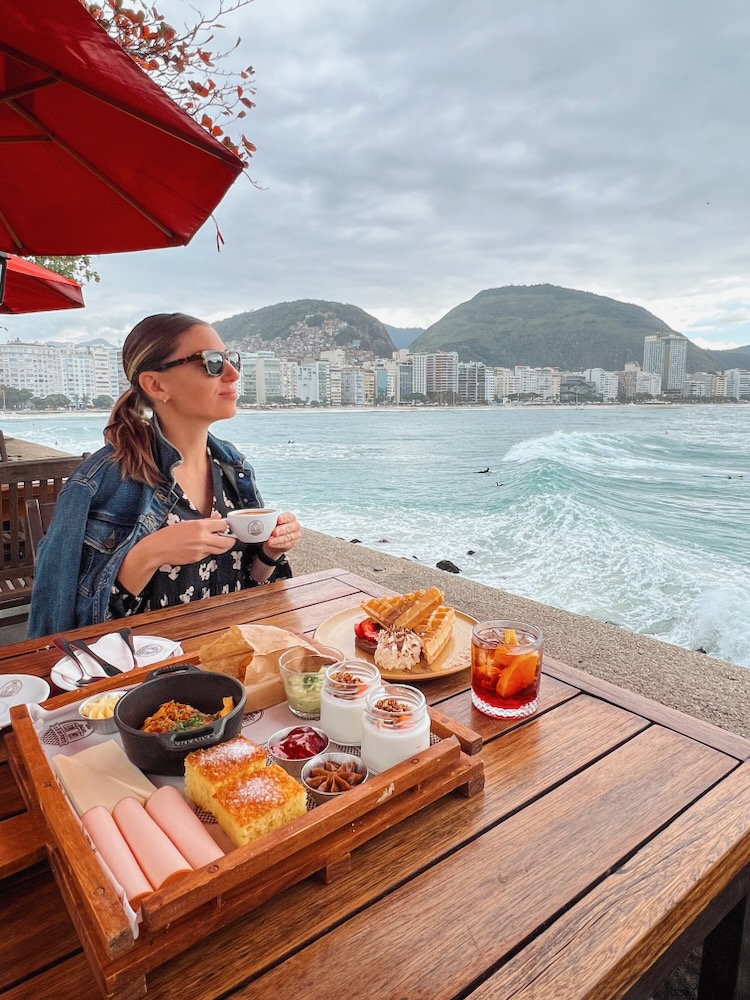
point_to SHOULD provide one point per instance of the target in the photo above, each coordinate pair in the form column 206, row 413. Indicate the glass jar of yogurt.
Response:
column 395, row 726
column 342, row 700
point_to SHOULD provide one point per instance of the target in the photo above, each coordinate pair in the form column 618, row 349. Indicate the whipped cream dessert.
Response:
column 397, row 649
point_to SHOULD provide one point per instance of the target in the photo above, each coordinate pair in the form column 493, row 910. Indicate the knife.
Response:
column 127, row 635
column 109, row 668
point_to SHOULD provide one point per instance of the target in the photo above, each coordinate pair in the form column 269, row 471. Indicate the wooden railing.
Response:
column 21, row 481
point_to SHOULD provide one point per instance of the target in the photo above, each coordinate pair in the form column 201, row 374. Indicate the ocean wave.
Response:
column 625, row 515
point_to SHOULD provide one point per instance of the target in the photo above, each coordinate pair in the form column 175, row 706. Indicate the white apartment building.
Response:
column 738, row 383
column 335, row 357
column 549, row 383
column 77, row 370
column 352, row 386
column 507, row 383
column 647, row 384
column 523, row 380
column 313, row 381
column 473, row 382
column 419, row 374
column 289, row 371
column 109, row 377
column 334, row 384
column 252, row 374
column 705, row 384
column 442, row 373
column 606, row 383
column 80, row 373
column 33, row 367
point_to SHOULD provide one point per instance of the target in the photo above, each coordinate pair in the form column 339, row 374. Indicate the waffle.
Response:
column 436, row 632
column 403, row 610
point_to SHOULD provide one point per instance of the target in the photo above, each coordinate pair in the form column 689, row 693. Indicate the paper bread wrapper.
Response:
column 251, row 653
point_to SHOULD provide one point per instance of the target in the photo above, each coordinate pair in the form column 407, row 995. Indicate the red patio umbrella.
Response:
column 94, row 157
column 30, row 288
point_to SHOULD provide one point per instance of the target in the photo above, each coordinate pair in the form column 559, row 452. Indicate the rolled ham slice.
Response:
column 153, row 850
column 168, row 808
column 111, row 845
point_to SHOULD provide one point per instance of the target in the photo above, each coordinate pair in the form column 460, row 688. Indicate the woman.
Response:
column 141, row 523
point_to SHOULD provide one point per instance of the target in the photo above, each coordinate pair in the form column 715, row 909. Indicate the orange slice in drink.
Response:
column 519, row 675
column 510, row 639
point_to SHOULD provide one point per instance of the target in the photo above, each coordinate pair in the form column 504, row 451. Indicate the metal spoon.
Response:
column 64, row 646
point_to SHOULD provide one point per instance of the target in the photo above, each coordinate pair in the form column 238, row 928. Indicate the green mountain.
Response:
column 734, row 357
column 402, row 336
column 542, row 325
column 306, row 319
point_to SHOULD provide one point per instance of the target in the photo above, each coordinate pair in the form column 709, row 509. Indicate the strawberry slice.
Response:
column 366, row 634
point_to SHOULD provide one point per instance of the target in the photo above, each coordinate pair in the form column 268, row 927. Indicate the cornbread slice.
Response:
column 207, row 770
column 403, row 610
column 436, row 632
column 259, row 803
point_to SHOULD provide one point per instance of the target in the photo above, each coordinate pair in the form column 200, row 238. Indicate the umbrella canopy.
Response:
column 94, row 157
column 30, row 288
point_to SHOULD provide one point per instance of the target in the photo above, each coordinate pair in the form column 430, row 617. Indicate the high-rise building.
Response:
column 666, row 355
column 738, row 383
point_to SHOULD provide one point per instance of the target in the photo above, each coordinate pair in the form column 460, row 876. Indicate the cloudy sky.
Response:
column 414, row 152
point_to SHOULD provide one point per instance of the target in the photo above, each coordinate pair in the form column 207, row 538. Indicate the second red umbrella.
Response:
column 30, row 288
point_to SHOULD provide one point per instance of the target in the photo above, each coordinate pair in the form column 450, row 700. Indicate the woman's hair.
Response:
column 147, row 346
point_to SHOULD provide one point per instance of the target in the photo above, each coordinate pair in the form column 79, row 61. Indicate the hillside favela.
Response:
column 536, row 344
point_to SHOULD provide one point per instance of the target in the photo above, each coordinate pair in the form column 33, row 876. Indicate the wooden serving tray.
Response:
column 183, row 912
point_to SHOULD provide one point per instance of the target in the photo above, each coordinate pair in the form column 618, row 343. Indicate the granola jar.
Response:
column 395, row 726
column 342, row 700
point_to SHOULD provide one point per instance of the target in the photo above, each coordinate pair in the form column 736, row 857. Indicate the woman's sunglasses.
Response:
column 213, row 362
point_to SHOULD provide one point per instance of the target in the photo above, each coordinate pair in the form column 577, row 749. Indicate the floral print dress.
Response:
column 172, row 585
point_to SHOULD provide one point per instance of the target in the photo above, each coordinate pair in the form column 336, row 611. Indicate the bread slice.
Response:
column 403, row 610
column 436, row 632
column 206, row 771
column 230, row 653
column 257, row 804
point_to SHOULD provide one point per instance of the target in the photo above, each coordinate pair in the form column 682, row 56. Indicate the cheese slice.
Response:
column 109, row 758
column 87, row 787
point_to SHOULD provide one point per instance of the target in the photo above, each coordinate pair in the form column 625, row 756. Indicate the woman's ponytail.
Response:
column 129, row 431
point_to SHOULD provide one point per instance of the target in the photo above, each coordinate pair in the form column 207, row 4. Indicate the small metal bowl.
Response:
column 108, row 724
column 293, row 766
column 320, row 761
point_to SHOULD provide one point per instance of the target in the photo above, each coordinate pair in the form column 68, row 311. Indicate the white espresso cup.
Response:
column 252, row 524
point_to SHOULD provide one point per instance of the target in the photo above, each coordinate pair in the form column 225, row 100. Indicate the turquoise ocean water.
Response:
column 634, row 515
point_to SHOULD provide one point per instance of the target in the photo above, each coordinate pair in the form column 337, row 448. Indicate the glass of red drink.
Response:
column 506, row 665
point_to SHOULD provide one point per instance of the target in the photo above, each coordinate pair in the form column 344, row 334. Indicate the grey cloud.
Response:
column 414, row 153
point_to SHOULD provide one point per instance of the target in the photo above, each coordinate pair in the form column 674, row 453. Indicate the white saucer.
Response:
column 20, row 689
column 112, row 647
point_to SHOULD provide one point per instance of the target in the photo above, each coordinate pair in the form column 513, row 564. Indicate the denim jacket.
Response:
column 99, row 517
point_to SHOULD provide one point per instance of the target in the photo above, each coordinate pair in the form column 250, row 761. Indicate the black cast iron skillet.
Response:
column 164, row 753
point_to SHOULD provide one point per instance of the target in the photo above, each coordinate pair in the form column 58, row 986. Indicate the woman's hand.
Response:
column 284, row 536
column 177, row 544
column 190, row 541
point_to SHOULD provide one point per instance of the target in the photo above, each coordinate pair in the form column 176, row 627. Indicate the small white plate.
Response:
column 20, row 689
column 148, row 649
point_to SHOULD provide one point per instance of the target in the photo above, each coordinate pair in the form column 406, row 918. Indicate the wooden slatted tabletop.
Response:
column 612, row 836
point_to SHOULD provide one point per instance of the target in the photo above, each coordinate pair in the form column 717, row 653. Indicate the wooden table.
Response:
column 613, row 835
